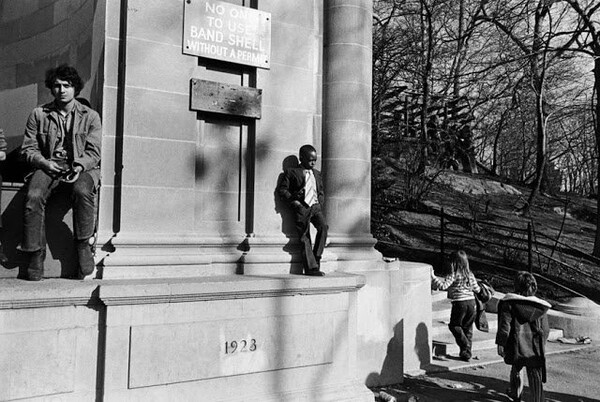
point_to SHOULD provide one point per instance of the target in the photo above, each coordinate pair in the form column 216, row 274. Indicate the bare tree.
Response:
column 585, row 38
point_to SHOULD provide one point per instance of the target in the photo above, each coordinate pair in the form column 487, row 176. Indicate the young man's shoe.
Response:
column 314, row 272
column 35, row 265
column 85, row 258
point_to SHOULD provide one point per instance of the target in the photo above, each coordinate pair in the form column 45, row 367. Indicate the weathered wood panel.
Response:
column 216, row 97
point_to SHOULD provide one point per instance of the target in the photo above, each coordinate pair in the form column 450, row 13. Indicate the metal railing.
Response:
column 518, row 239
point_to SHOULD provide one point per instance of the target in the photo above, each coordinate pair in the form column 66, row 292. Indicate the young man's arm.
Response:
column 284, row 187
column 93, row 145
column 30, row 150
column 504, row 320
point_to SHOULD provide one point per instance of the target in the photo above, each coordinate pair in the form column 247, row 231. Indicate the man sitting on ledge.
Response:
column 62, row 147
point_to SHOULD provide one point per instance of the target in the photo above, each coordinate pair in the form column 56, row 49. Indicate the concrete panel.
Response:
column 285, row 128
column 349, row 22
column 64, row 8
column 111, row 64
column 108, row 167
column 12, row 10
column 156, row 20
column 113, row 20
column 219, row 207
column 36, row 22
column 161, row 354
column 158, row 163
column 163, row 210
column 340, row 69
column 338, row 211
column 299, row 84
column 105, row 213
column 15, row 106
column 340, row 109
column 303, row 15
column 157, row 114
column 353, row 179
column 42, row 365
column 158, row 66
column 294, row 46
column 353, row 140
column 109, row 113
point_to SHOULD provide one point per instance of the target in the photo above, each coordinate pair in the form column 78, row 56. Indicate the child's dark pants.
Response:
column 462, row 318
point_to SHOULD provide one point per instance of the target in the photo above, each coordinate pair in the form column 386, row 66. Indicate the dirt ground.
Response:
column 572, row 377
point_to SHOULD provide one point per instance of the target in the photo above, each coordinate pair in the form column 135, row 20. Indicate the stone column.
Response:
column 347, row 129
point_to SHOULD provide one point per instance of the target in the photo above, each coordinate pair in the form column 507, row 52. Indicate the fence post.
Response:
column 442, row 251
column 529, row 247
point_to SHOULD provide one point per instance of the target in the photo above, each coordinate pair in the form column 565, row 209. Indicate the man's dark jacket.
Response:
column 291, row 187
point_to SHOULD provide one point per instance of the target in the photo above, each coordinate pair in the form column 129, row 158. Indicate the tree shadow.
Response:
column 392, row 369
column 457, row 386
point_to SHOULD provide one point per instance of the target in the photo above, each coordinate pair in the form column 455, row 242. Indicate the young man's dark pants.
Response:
column 311, row 256
column 534, row 377
column 462, row 318
column 3, row 258
column 39, row 189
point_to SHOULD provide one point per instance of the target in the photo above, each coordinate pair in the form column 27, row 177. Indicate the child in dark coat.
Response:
column 522, row 334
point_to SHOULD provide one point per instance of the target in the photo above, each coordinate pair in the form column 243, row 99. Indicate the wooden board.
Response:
column 216, row 97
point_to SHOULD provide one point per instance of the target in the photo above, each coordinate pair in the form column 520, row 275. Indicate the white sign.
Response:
column 223, row 31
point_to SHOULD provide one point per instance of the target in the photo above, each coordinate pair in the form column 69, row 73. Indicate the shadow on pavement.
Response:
column 451, row 386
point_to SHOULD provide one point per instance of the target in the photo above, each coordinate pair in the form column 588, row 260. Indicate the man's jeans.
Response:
column 39, row 189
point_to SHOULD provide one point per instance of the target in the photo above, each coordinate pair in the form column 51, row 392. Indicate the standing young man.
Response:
column 62, row 147
column 302, row 188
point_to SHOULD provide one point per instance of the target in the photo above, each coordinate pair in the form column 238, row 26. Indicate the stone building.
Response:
column 197, row 293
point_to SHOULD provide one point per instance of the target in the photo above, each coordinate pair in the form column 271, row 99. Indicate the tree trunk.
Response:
column 596, row 251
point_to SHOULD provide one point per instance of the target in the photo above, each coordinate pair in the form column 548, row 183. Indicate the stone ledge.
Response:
column 224, row 288
column 19, row 294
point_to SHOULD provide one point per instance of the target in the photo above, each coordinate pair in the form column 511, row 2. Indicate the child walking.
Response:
column 460, row 284
column 522, row 334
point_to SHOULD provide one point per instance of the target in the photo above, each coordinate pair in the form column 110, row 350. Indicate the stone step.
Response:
column 440, row 327
column 444, row 344
column 437, row 295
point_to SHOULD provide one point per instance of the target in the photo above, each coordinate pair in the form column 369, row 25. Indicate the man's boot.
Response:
column 35, row 265
column 85, row 258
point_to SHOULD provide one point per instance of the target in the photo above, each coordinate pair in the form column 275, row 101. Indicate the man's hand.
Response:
column 2, row 155
column 501, row 351
column 52, row 168
column 296, row 203
column 72, row 175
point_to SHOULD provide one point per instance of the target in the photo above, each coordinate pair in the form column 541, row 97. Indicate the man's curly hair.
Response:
column 66, row 73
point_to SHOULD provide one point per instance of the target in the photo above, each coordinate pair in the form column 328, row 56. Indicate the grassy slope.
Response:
column 471, row 203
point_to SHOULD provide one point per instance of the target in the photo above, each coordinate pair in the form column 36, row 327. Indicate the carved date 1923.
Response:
column 241, row 346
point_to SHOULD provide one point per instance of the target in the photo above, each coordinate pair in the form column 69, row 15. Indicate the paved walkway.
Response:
column 573, row 376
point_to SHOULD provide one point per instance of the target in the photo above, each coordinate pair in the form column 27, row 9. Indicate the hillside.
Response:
column 481, row 216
